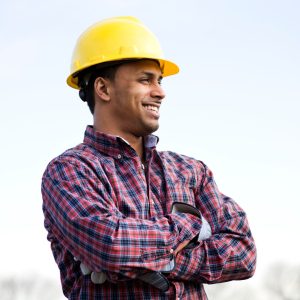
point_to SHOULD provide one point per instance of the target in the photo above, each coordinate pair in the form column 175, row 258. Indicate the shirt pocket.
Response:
column 181, row 192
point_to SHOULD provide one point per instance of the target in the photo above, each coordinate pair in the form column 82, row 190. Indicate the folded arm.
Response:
column 82, row 214
column 230, row 253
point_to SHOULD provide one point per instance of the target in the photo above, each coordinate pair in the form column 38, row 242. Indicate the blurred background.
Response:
column 234, row 105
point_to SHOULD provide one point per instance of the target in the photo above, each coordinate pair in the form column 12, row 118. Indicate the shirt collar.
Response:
column 114, row 145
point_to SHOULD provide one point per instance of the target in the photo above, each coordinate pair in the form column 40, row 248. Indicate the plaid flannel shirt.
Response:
column 102, row 206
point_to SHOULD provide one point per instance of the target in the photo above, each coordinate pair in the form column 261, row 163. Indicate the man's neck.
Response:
column 138, row 146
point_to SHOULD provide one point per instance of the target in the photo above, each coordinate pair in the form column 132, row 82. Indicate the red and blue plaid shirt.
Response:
column 102, row 206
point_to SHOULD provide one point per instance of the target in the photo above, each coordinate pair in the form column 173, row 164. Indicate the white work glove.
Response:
column 205, row 232
column 96, row 277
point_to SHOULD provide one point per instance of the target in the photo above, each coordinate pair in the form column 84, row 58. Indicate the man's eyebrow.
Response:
column 150, row 74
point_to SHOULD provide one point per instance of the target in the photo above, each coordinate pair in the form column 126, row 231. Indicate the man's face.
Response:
column 135, row 98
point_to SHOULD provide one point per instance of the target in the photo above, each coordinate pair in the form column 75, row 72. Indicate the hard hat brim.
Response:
column 168, row 68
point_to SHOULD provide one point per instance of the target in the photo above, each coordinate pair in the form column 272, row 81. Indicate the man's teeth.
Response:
column 153, row 108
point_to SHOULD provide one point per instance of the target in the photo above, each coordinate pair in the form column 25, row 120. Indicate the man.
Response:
column 126, row 221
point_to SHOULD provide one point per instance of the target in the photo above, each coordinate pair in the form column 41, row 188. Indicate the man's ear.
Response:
column 101, row 88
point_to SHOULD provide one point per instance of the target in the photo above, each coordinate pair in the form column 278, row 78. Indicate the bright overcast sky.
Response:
column 234, row 105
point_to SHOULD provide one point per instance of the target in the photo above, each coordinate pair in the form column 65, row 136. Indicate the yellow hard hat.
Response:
column 116, row 39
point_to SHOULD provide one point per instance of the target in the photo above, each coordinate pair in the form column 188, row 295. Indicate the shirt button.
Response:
column 172, row 251
column 119, row 156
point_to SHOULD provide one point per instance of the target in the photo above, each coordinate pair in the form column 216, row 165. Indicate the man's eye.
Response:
column 149, row 81
column 145, row 80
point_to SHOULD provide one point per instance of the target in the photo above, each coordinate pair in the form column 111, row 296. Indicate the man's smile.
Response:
column 154, row 110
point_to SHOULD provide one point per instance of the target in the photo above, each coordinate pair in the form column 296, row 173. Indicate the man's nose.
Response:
column 158, row 92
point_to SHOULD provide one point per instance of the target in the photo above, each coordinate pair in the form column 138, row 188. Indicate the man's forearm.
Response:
column 223, row 257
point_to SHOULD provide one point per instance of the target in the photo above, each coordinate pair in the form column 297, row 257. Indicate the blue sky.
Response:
column 234, row 105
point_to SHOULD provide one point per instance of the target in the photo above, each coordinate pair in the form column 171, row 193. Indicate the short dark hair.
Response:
column 87, row 79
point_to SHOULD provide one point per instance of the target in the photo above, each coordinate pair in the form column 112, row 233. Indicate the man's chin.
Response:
column 148, row 130
column 152, row 129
